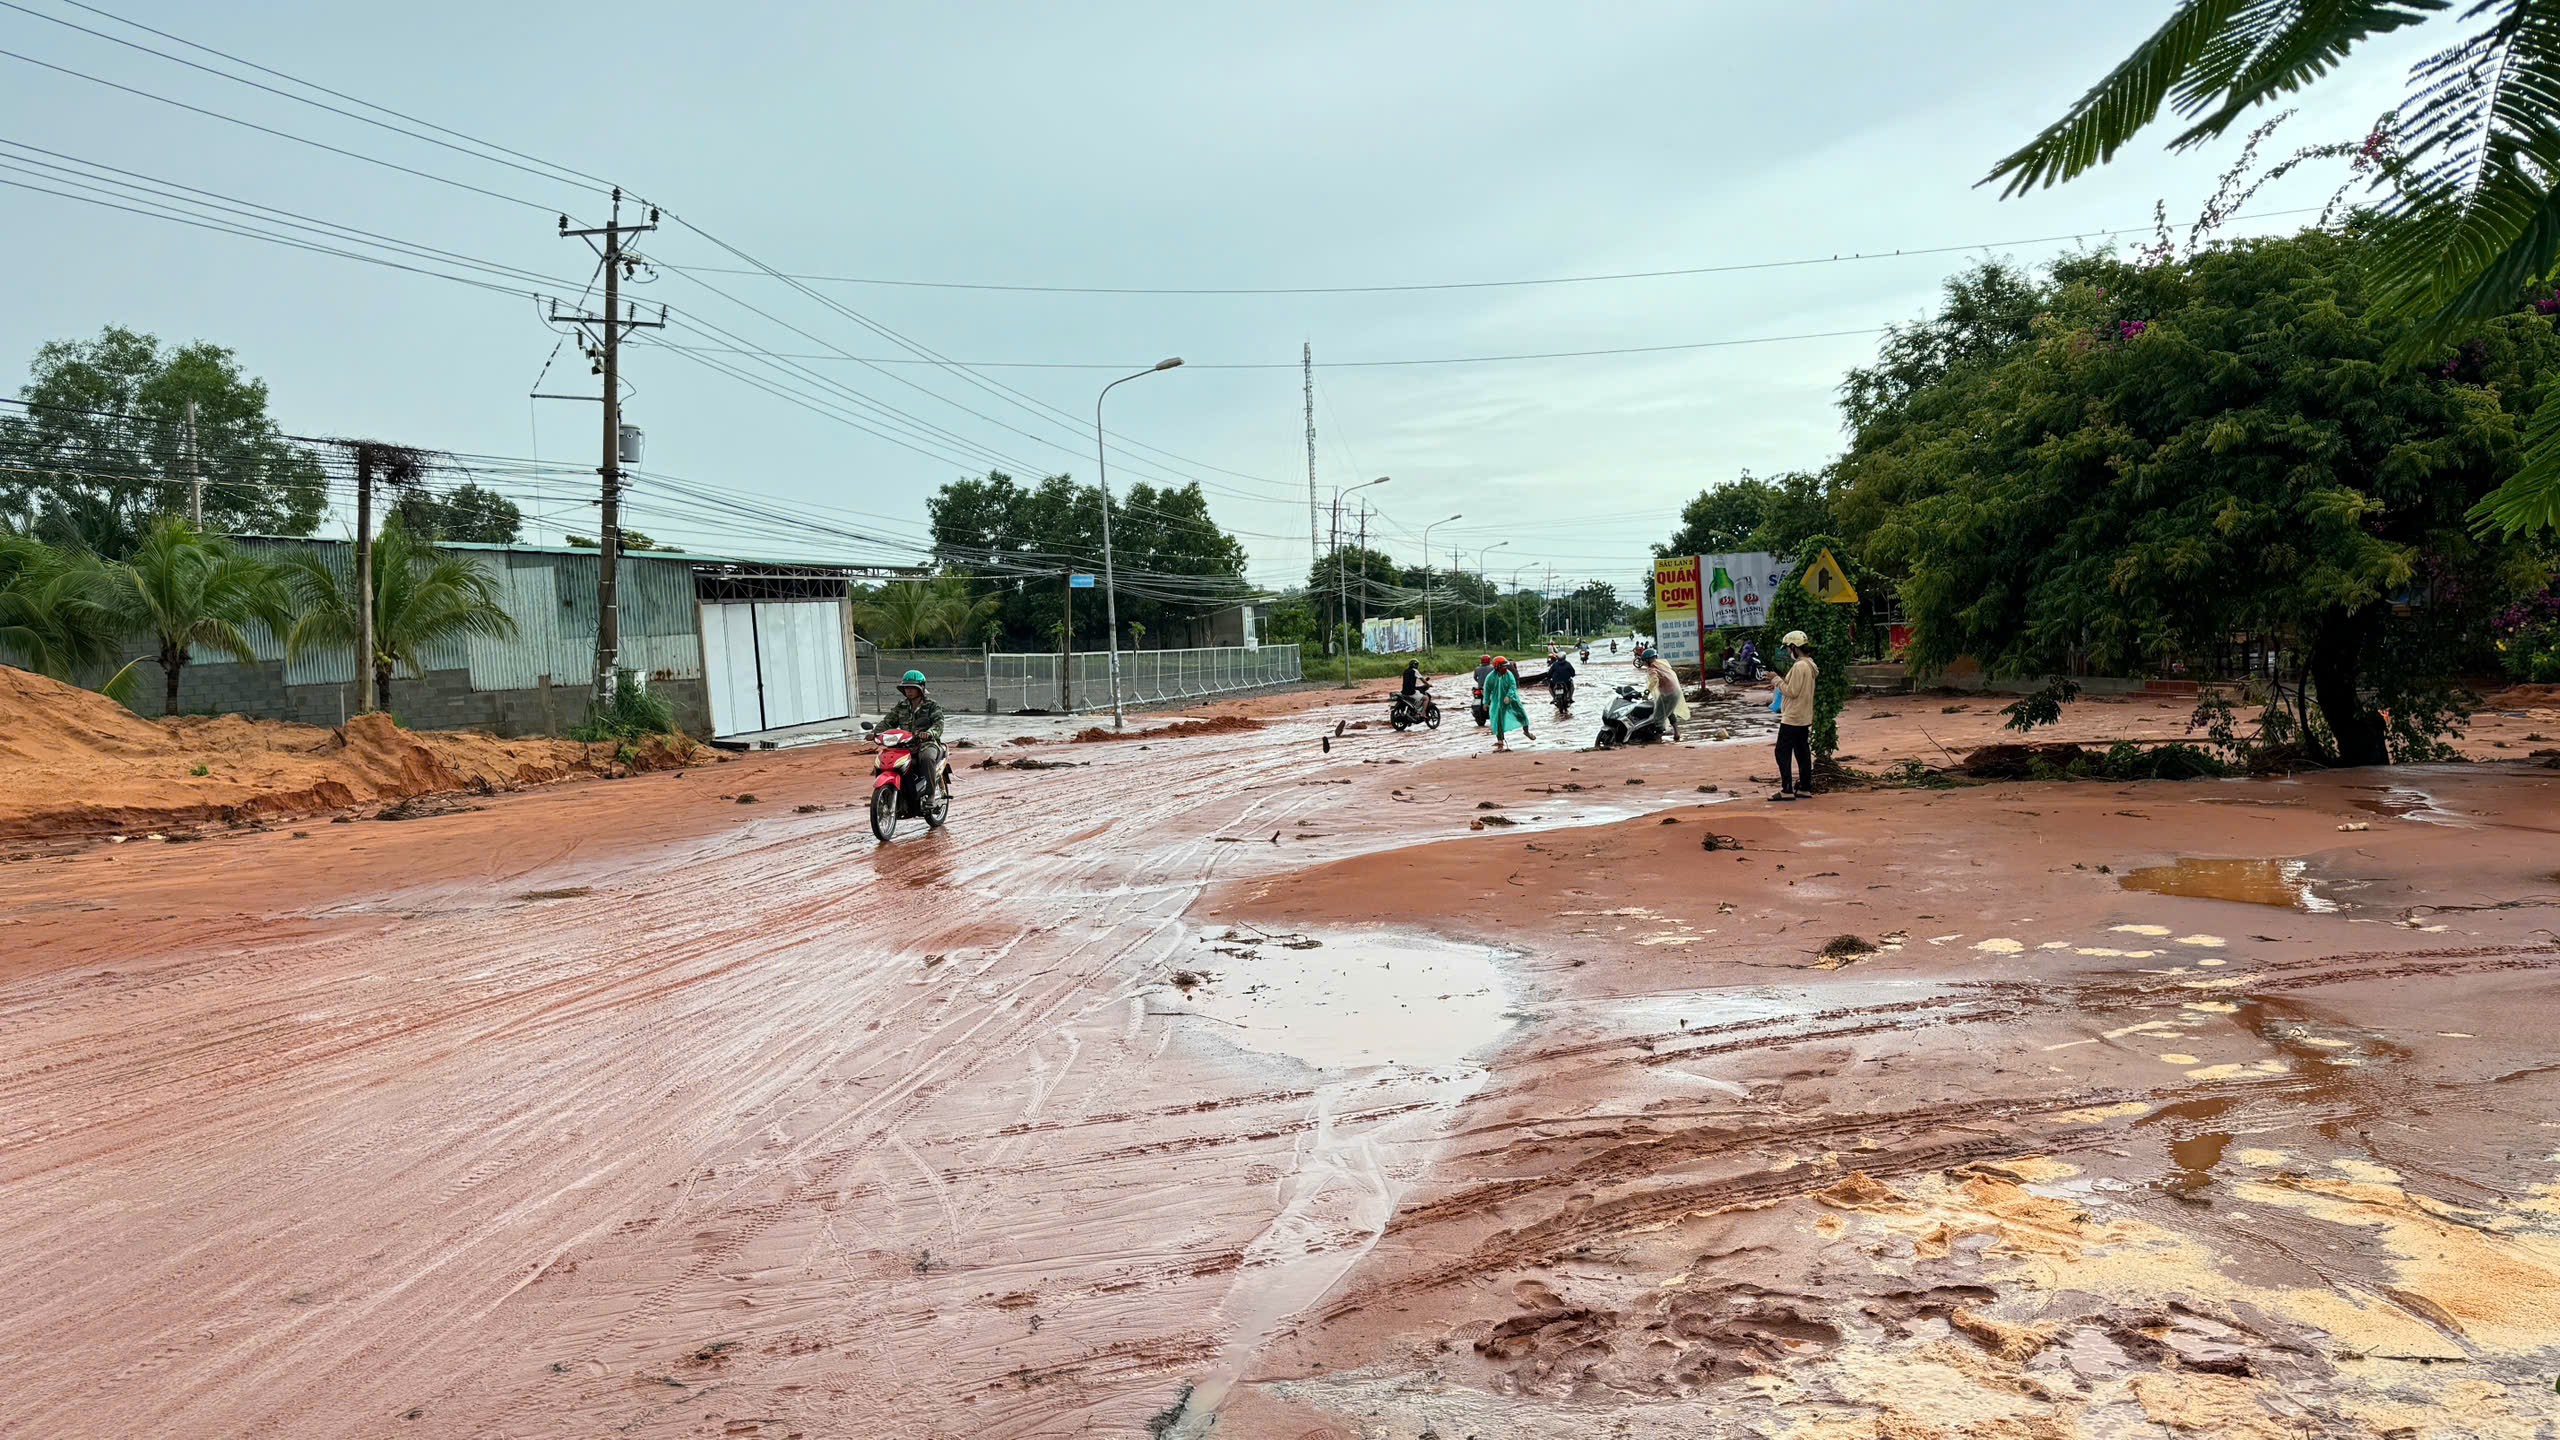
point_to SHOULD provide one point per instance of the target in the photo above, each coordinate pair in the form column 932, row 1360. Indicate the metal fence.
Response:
column 1016, row 683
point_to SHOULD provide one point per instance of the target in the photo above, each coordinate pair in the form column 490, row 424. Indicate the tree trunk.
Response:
column 382, row 688
column 172, row 661
column 2337, row 658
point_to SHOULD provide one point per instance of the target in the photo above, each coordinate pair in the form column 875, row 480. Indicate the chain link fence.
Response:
column 1017, row 683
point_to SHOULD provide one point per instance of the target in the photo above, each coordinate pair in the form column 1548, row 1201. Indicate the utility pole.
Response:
column 364, row 578
column 1307, row 368
column 195, row 471
column 1364, row 566
column 610, row 328
column 1067, row 642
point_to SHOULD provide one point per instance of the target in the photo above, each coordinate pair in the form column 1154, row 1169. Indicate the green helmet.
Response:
column 912, row 677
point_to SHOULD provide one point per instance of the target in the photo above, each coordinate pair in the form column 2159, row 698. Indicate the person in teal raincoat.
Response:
column 1502, row 702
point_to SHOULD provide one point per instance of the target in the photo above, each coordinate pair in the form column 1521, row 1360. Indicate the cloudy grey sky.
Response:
column 1107, row 144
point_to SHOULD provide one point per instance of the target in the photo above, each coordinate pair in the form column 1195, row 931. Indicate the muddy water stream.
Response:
column 1365, row 1012
column 2286, row 883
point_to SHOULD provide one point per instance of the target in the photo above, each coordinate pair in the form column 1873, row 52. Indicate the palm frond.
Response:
column 2276, row 47
column 2217, row 58
column 2119, row 106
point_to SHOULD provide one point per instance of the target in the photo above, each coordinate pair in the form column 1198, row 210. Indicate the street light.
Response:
column 1514, row 588
column 1110, row 582
column 1342, row 587
column 1484, row 622
column 1426, row 576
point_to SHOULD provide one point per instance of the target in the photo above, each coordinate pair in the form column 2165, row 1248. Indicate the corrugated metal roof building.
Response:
column 773, row 623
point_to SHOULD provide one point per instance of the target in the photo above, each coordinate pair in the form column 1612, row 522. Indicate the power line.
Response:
column 1726, row 269
column 1348, row 364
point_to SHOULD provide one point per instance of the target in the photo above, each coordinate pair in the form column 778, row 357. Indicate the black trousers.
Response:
column 1795, row 744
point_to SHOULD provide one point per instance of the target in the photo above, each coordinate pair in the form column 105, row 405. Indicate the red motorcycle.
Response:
column 893, row 786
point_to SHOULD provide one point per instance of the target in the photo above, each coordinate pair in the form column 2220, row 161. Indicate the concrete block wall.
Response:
column 444, row 700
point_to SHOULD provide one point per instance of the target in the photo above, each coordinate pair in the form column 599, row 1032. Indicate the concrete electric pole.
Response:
column 617, row 264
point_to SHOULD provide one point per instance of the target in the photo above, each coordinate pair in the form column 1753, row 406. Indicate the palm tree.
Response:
column 54, row 615
column 183, row 589
column 421, row 596
column 904, row 614
column 2470, row 167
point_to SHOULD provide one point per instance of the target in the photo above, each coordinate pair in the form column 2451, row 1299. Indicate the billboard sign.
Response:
column 1676, row 608
column 1738, row 587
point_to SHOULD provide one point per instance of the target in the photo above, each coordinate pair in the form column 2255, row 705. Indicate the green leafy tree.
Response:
column 2221, row 446
column 1722, row 518
column 55, row 618
column 1833, row 630
column 1174, row 561
column 2469, row 174
column 103, row 447
column 469, row 513
column 181, row 590
column 422, row 597
column 631, row 540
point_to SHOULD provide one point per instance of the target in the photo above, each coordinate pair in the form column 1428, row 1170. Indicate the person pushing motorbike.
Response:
column 1670, row 701
column 917, row 714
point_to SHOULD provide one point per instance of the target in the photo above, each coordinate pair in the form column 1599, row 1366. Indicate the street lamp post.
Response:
column 1427, row 636
column 1110, row 579
column 1342, row 587
column 1514, row 588
column 1484, row 626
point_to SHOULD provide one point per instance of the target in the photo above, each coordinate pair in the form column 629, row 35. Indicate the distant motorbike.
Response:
column 1420, row 709
column 1630, row 719
column 1562, row 693
column 1738, row 671
column 894, row 783
column 1476, row 707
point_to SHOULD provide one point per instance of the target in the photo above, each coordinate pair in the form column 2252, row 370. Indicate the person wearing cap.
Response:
column 1502, row 702
column 917, row 714
column 1795, row 719
column 1484, row 667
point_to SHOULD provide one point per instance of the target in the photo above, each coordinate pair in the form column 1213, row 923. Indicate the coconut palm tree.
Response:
column 182, row 590
column 421, row 596
column 904, row 614
column 2468, row 170
column 54, row 615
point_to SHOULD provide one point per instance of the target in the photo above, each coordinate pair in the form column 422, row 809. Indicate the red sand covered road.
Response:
column 627, row 1108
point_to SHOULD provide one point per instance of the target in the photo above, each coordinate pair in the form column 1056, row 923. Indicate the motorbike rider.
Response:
column 1412, row 680
column 917, row 714
column 1484, row 667
column 1560, row 676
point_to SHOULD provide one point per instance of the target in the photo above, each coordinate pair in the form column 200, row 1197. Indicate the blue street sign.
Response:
column 1079, row 582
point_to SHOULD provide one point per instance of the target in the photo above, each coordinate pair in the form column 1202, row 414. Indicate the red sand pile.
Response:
column 73, row 762
column 1179, row 730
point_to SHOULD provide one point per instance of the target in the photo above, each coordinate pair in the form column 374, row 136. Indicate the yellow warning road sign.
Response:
column 1825, row 581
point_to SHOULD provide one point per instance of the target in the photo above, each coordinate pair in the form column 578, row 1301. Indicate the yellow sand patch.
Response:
column 2140, row 929
column 2257, row 1158
column 2205, row 942
column 2218, row 1405
column 2325, row 1043
column 2209, row 962
column 2176, row 1057
column 1999, row 945
column 2033, row 1169
column 2101, row 1114
column 2215, row 1072
column 2365, row 1171
column 2099, row 950
column 2210, row 1007
column 2502, row 1291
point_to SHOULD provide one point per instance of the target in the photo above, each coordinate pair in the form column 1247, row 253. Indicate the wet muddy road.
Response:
column 623, row 1108
column 1288, row 1080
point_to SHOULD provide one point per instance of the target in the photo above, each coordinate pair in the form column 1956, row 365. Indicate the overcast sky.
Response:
column 1108, row 144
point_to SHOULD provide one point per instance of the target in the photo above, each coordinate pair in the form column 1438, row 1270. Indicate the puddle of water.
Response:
column 2192, row 1155
column 2285, row 883
column 2403, row 803
column 1358, row 1000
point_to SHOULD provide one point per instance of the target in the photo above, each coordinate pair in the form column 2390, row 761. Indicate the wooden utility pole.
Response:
column 609, row 328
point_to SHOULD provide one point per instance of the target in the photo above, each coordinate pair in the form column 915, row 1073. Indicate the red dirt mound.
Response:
column 1180, row 729
column 73, row 762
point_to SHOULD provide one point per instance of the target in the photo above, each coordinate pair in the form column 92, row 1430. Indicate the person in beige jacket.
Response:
column 1795, row 719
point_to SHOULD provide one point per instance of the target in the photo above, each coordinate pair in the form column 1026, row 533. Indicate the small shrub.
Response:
column 633, row 712
column 199, row 770
column 2044, row 707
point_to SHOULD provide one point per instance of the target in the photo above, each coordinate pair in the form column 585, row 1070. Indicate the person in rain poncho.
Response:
column 1502, row 702
column 1670, row 701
